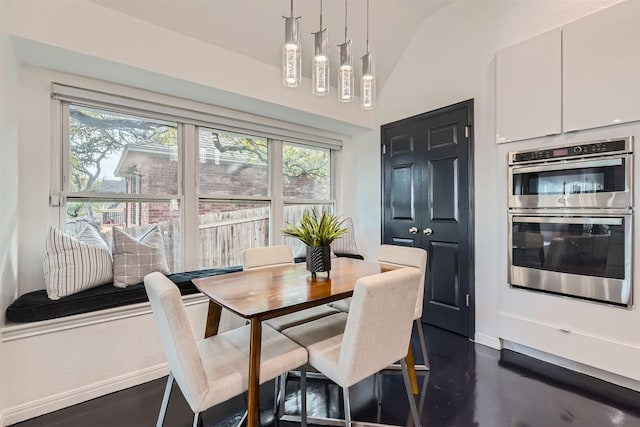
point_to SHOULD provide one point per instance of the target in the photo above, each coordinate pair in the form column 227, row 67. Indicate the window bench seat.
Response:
column 36, row 306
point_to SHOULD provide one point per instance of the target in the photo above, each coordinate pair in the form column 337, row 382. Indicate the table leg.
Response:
column 411, row 367
column 213, row 319
column 253, row 405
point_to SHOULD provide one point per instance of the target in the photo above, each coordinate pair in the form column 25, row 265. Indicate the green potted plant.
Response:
column 317, row 231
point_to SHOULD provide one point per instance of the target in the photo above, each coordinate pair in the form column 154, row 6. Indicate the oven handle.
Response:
column 564, row 166
column 568, row 220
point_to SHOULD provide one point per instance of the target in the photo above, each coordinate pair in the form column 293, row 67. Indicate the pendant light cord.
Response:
column 320, row 15
column 345, row 21
column 292, row 8
column 367, row 26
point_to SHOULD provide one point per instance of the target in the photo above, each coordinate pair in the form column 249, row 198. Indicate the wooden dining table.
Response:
column 265, row 293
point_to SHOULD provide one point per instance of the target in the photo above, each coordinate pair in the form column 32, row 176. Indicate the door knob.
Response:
column 413, row 230
column 428, row 231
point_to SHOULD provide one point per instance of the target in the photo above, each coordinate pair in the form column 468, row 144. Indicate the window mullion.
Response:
column 277, row 200
column 59, row 157
column 336, row 181
column 190, row 170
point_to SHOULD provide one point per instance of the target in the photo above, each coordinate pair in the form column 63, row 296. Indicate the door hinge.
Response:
column 467, row 131
column 384, row 148
column 467, row 300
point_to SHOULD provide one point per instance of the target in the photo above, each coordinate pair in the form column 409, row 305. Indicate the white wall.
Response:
column 9, row 99
column 451, row 59
column 361, row 180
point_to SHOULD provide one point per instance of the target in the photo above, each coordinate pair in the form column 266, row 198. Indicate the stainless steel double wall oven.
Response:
column 570, row 220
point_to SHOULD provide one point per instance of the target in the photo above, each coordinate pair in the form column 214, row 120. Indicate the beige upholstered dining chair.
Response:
column 212, row 370
column 348, row 348
column 266, row 256
column 410, row 257
column 270, row 256
column 406, row 257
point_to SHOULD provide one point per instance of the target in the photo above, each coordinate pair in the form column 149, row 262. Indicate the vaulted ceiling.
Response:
column 255, row 28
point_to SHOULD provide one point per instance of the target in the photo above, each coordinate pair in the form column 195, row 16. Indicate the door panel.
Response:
column 444, row 268
column 443, row 188
column 442, row 136
column 401, row 144
column 400, row 241
column 427, row 182
column 402, row 192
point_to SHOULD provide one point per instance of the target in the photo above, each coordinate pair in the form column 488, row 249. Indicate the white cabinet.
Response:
column 528, row 88
column 601, row 68
column 581, row 76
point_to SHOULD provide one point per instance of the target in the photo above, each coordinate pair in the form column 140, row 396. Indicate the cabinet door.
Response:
column 528, row 93
column 601, row 68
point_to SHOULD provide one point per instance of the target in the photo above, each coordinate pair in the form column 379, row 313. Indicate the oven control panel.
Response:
column 587, row 149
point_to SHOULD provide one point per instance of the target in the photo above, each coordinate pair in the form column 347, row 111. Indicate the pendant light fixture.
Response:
column 320, row 65
column 368, row 80
column 345, row 72
column 291, row 52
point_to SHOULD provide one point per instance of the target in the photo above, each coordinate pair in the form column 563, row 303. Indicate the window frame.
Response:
column 188, row 122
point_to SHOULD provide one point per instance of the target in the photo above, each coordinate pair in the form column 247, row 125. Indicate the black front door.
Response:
column 427, row 188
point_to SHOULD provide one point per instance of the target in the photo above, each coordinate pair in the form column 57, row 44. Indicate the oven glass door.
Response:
column 587, row 183
column 586, row 256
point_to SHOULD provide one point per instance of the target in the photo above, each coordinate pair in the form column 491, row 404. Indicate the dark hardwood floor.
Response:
column 468, row 385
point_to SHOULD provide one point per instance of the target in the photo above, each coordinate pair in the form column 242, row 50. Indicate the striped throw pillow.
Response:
column 73, row 264
column 346, row 244
column 134, row 258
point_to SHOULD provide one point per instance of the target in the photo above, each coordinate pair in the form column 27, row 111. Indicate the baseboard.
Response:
column 578, row 382
column 488, row 340
column 49, row 404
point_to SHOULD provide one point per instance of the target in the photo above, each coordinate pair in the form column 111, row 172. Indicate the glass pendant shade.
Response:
column 291, row 54
column 345, row 73
column 367, row 83
column 320, row 65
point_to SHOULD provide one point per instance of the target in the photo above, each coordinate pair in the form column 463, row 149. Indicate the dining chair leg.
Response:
column 276, row 396
column 303, row 396
column 243, row 419
column 423, row 345
column 412, row 403
column 165, row 400
column 282, row 395
column 378, row 380
column 347, row 406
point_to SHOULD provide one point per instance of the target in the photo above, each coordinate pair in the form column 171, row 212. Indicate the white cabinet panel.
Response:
column 528, row 88
column 601, row 68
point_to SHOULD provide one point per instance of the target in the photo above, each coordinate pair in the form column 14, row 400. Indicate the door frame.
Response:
column 470, row 192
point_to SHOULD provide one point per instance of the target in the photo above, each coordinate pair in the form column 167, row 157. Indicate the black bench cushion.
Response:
column 36, row 306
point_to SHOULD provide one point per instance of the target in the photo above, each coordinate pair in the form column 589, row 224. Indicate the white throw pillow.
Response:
column 135, row 257
column 73, row 264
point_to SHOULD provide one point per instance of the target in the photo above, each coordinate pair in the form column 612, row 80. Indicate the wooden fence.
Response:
column 222, row 235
